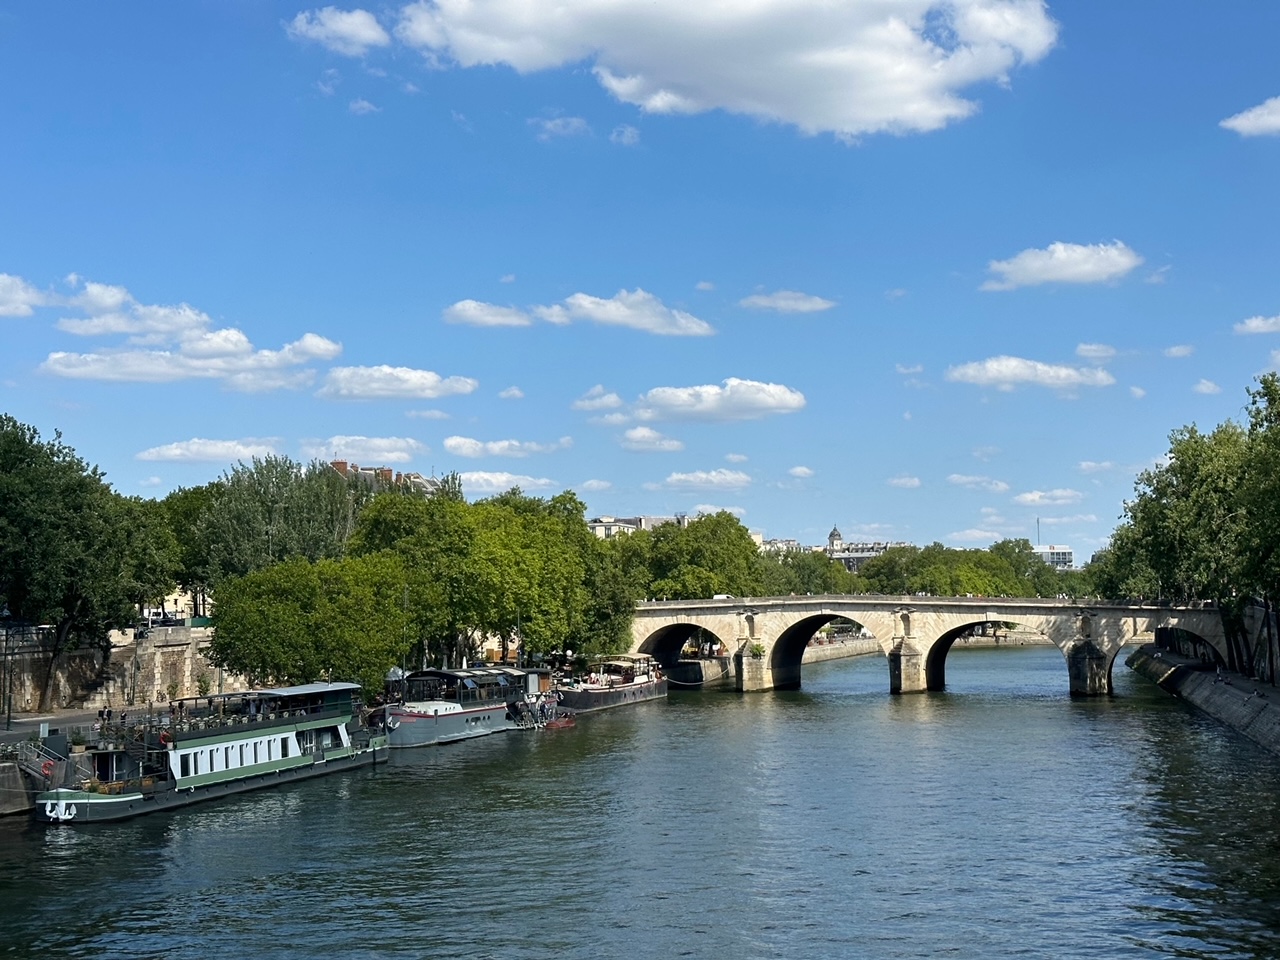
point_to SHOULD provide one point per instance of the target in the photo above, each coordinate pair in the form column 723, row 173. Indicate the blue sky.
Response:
column 924, row 270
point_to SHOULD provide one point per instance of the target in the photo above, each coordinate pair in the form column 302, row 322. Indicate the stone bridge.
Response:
column 766, row 637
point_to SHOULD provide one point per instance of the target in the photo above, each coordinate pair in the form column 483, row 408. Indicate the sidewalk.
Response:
column 25, row 724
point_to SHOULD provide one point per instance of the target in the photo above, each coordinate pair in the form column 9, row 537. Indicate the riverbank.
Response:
column 1245, row 705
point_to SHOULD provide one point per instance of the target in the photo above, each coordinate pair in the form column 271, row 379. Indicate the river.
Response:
column 998, row 819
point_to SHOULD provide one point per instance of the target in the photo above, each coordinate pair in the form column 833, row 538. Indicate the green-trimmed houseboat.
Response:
column 207, row 747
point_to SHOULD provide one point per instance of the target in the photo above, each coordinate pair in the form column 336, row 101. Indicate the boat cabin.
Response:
column 465, row 687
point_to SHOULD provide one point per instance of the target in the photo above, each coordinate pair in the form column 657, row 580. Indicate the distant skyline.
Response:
column 931, row 276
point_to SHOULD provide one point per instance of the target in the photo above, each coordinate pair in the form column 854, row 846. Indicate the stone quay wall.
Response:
column 1245, row 705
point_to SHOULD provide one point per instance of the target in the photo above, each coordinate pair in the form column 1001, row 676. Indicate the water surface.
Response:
column 998, row 819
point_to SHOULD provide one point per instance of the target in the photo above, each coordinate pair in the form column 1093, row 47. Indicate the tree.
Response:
column 299, row 621
column 275, row 508
column 63, row 556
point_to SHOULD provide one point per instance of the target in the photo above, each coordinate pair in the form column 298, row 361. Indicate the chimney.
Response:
column 340, row 466
column 384, row 474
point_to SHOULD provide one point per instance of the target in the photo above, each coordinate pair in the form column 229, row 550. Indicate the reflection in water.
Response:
column 998, row 819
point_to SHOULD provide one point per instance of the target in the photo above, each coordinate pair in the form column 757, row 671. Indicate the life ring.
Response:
column 47, row 768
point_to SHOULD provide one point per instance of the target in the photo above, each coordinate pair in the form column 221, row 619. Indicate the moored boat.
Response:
column 621, row 679
column 207, row 747
column 429, row 707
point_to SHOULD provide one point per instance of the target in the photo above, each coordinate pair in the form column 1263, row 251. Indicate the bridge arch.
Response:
column 666, row 643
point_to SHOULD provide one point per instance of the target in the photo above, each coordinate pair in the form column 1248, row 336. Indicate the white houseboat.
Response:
column 206, row 747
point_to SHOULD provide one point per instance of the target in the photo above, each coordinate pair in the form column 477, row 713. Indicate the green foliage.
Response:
column 67, row 544
column 275, row 509
column 712, row 554
column 300, row 621
column 1009, row 568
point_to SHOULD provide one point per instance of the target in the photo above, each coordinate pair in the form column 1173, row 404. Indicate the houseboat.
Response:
column 429, row 707
column 623, row 678
column 203, row 748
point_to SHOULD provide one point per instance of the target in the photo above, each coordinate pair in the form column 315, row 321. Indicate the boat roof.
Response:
column 300, row 690
column 306, row 689
column 471, row 673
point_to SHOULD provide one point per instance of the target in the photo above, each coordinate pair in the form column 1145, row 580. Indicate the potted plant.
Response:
column 757, row 651
column 77, row 741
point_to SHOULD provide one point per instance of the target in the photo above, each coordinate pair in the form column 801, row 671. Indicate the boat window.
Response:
column 284, row 747
column 226, row 758
column 255, row 751
column 242, row 754
column 195, row 762
column 185, row 762
column 271, row 749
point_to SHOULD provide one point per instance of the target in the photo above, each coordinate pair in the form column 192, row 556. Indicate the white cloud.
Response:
column 507, row 278
column 897, row 293
column 1061, row 521
column 477, row 314
column 985, row 453
column 1137, row 393
column 786, row 301
column 180, row 346
column 1179, row 351
column 597, row 399
column 1256, row 121
column 736, row 457
column 735, row 400
column 1252, row 325
column 595, row 486
column 625, row 135
column 328, row 84
column 1094, row 351
column 1158, row 276
column 550, row 128
column 1207, row 386
column 511, row 393
column 908, row 371
column 365, row 449
column 707, row 509
column 636, row 309
column 483, row 481
column 648, row 440
column 846, row 68
column 348, row 32
column 361, row 107
column 17, row 297
column 977, row 483
column 387, row 382
column 198, row 450
column 904, row 482
column 1094, row 466
column 704, row 285
column 427, row 414
column 974, row 535
column 719, row 479
column 150, row 482
column 467, row 447
column 1005, row 373
column 1063, row 263
column 801, row 472
column 248, row 371
column 611, row 420
column 1039, row 498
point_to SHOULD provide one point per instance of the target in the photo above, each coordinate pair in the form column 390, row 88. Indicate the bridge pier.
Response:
column 1089, row 667
column 756, row 674
column 906, row 669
